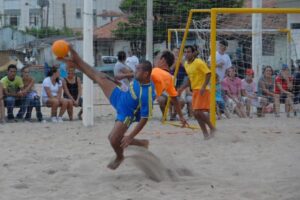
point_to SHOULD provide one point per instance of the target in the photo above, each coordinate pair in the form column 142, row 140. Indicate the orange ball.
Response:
column 60, row 48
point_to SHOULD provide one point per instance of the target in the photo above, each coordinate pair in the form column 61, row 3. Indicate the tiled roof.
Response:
column 110, row 13
column 105, row 31
column 244, row 21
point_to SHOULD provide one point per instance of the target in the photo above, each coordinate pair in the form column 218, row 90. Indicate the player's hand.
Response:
column 72, row 59
column 202, row 91
column 179, row 92
column 126, row 140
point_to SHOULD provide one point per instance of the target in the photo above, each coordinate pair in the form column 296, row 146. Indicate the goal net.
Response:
column 253, row 41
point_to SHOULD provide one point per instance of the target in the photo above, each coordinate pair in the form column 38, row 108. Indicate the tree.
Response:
column 167, row 14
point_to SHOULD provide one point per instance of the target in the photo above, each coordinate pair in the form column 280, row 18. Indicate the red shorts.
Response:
column 200, row 102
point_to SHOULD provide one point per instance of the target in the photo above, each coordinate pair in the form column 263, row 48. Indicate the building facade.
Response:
column 53, row 13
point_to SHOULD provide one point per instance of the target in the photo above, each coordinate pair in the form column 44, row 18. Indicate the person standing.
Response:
column 199, row 77
column 222, row 58
column 132, row 60
column 122, row 72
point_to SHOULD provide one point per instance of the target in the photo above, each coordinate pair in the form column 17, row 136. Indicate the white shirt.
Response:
column 53, row 88
column 250, row 88
column 132, row 62
column 117, row 69
column 222, row 58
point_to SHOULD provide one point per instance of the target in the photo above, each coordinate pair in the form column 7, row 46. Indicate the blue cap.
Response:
column 284, row 66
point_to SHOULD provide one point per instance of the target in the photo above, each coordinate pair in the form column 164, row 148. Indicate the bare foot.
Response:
column 115, row 163
column 212, row 133
column 206, row 136
column 145, row 143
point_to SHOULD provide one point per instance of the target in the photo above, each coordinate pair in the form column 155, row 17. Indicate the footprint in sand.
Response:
column 20, row 186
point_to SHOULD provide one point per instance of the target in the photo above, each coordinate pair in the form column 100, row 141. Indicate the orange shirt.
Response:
column 163, row 81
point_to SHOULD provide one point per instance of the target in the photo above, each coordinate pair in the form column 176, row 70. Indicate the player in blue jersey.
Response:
column 133, row 105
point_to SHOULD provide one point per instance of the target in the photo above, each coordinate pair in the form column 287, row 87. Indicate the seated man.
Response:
column 249, row 91
column 31, row 96
column 134, row 105
column 14, row 94
column 232, row 87
column 284, row 87
column 163, row 82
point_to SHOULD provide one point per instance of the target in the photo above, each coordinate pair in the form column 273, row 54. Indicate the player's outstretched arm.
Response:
column 128, row 138
column 178, row 111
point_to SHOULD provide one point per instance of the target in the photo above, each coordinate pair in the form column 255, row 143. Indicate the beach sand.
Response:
column 248, row 159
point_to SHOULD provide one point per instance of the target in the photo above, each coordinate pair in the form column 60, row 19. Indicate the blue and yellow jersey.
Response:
column 134, row 104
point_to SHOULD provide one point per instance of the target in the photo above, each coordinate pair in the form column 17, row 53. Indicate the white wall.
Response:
column 121, row 45
column 280, row 52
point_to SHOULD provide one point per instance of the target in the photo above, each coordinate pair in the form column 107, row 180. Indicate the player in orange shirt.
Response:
column 199, row 76
column 163, row 81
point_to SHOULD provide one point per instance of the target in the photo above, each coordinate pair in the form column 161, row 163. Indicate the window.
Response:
column 103, row 14
column 12, row 17
column 34, row 17
column 34, row 20
column 268, row 45
column 295, row 25
column 78, row 13
column 13, row 21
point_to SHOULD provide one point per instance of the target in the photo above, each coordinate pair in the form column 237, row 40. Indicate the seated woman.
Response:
column 72, row 89
column 31, row 95
column 265, row 89
column 284, row 88
column 52, row 96
column 2, row 115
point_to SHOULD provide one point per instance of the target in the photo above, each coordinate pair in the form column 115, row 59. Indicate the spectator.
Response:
column 284, row 87
column 122, row 72
column 222, row 59
column 221, row 108
column 73, row 90
column 52, row 96
column 132, row 60
column 233, row 88
column 181, row 76
column 249, row 90
column 188, row 100
column 2, row 112
column 31, row 96
column 63, row 70
column 163, row 82
column 14, row 94
column 265, row 90
column 296, row 90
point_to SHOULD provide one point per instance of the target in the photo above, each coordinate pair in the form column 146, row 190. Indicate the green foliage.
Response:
column 47, row 32
column 167, row 14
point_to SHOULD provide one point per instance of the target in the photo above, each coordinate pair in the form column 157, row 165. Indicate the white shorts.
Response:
column 256, row 102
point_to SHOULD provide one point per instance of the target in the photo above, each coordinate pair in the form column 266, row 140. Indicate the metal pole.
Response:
column 213, row 50
column 257, row 40
column 149, row 31
column 88, row 111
